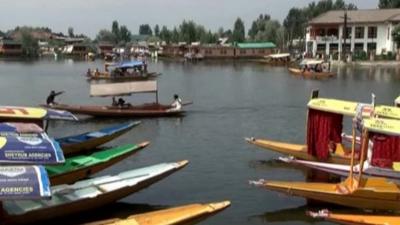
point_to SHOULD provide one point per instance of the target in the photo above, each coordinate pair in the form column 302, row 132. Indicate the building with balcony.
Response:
column 367, row 30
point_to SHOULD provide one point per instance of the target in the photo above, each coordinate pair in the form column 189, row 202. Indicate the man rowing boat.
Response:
column 50, row 99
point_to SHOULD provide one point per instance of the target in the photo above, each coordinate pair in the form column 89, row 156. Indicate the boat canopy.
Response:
column 18, row 112
column 387, row 111
column 311, row 62
column 129, row 64
column 24, row 182
column 125, row 88
column 382, row 126
column 397, row 101
column 277, row 56
column 343, row 107
column 32, row 149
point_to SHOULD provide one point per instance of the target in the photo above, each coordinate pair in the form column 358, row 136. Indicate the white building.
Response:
column 368, row 30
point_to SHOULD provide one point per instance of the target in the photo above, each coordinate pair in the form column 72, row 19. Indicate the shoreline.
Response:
column 368, row 63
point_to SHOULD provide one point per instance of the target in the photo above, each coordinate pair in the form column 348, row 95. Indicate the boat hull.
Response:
column 86, row 171
column 373, row 193
column 343, row 170
column 88, row 203
column 311, row 74
column 172, row 216
column 107, row 76
column 363, row 219
column 297, row 151
column 106, row 111
column 70, row 146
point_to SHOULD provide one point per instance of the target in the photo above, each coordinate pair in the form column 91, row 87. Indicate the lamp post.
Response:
column 345, row 18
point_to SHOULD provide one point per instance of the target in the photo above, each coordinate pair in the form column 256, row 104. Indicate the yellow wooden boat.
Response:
column 356, row 219
column 341, row 155
column 176, row 215
column 371, row 193
column 355, row 191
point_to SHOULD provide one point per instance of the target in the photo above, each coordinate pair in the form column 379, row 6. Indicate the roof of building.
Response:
column 9, row 42
column 358, row 16
column 256, row 45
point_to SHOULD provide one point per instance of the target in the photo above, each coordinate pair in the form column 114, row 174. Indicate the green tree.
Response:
column 30, row 46
column 71, row 32
column 295, row 23
column 165, row 34
column 156, row 30
column 124, row 34
column 396, row 35
column 106, row 36
column 387, row 4
column 175, row 35
column 145, row 29
column 115, row 30
column 238, row 34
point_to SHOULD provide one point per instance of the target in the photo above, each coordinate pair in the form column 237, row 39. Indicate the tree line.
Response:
column 263, row 28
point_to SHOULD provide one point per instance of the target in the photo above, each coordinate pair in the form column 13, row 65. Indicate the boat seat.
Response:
column 341, row 150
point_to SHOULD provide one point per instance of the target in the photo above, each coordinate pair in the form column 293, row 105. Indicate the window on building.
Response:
column 321, row 32
column 388, row 33
column 371, row 46
column 223, row 52
column 372, row 32
column 321, row 47
column 348, row 34
column 261, row 51
column 333, row 32
column 333, row 48
column 359, row 47
column 359, row 32
column 243, row 52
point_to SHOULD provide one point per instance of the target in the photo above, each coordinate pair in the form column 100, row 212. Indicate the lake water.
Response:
column 232, row 100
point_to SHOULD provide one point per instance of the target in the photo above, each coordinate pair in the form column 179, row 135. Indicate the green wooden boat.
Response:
column 80, row 167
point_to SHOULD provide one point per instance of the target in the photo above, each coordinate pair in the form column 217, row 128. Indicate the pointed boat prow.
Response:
column 216, row 206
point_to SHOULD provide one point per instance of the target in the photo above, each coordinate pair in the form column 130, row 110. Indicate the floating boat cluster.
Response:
column 43, row 178
column 370, row 160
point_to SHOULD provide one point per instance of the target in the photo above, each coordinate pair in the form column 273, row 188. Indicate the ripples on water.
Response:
column 232, row 100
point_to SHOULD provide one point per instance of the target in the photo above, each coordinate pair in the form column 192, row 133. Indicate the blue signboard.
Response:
column 24, row 182
column 30, row 150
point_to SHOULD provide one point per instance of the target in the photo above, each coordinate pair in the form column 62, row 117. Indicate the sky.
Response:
column 89, row 16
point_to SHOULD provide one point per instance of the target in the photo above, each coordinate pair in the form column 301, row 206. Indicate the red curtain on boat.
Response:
column 386, row 150
column 322, row 128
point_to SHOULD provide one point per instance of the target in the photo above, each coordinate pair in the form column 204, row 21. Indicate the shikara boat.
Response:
column 126, row 110
column 129, row 70
column 171, row 216
column 90, row 140
column 81, row 167
column 87, row 194
column 278, row 59
column 331, row 111
column 356, row 191
column 356, row 219
column 313, row 69
column 311, row 74
column 343, row 170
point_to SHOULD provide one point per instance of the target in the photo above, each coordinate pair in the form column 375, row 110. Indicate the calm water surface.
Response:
column 232, row 100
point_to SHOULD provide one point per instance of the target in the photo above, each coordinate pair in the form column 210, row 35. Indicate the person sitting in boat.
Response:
column 89, row 72
column 177, row 103
column 51, row 98
column 114, row 102
column 96, row 72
